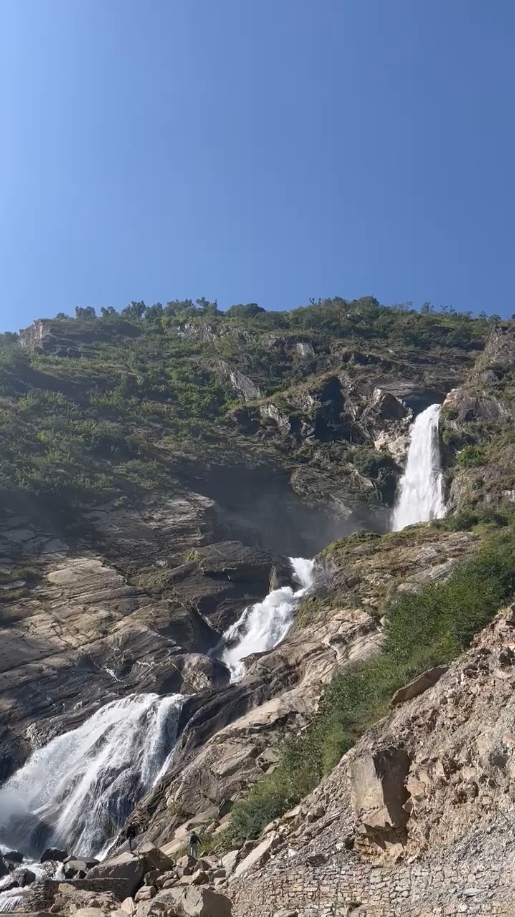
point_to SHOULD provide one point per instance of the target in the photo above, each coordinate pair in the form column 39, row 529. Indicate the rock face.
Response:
column 131, row 589
column 476, row 424
column 89, row 633
column 230, row 737
column 416, row 819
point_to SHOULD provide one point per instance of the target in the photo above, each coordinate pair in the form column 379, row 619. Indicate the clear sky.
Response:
column 255, row 150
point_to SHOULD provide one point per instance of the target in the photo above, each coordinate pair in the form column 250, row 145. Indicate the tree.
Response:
column 87, row 312
column 61, row 316
column 135, row 310
column 154, row 313
column 427, row 308
column 244, row 311
column 107, row 310
column 179, row 307
column 206, row 306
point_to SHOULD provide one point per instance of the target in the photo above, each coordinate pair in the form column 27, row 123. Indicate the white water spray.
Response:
column 78, row 790
column 263, row 625
column 420, row 497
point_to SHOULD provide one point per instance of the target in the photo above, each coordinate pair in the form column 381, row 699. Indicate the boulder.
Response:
column 195, row 902
column 13, row 856
column 200, row 672
column 53, row 854
column 152, row 876
column 419, row 684
column 154, row 858
column 3, row 867
column 128, row 905
column 259, row 855
column 146, row 893
column 169, row 883
column 88, row 912
column 378, row 787
column 169, row 876
column 229, row 861
column 125, row 867
column 73, row 867
column 24, row 877
column 173, row 847
column 200, row 877
column 186, row 862
column 207, row 862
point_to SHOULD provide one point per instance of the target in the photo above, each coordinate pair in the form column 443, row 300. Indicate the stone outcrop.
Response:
column 420, row 684
column 416, row 819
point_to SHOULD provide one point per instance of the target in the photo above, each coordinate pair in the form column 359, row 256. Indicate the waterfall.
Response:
column 420, row 495
column 77, row 790
column 263, row 625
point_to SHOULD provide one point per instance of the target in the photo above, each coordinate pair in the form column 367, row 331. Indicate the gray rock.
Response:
column 419, row 684
column 53, row 854
column 146, row 893
column 72, row 867
column 126, row 867
column 229, row 861
column 13, row 856
column 195, row 902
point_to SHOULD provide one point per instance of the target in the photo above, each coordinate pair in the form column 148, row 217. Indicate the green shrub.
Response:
column 471, row 516
column 471, row 457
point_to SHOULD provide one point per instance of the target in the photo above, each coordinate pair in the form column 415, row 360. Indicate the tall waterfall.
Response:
column 77, row 790
column 263, row 625
column 420, row 497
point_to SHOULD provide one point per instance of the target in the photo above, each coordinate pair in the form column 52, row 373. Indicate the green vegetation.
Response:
column 423, row 630
column 17, row 583
column 108, row 404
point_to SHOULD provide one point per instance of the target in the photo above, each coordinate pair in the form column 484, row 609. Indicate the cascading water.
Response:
column 78, row 790
column 420, row 497
column 263, row 625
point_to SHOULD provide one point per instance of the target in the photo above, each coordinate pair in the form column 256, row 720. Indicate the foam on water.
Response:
column 77, row 790
column 420, row 490
column 263, row 625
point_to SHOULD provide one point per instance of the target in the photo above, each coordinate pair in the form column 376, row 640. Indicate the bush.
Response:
column 424, row 629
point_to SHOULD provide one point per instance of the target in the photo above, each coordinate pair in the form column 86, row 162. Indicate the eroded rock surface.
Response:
column 416, row 819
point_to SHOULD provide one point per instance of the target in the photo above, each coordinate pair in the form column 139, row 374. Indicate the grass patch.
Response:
column 429, row 628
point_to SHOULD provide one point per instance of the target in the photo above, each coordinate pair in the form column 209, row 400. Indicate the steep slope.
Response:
column 158, row 468
column 417, row 819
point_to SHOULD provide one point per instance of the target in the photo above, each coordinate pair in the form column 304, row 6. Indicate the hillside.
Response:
column 96, row 408
column 158, row 468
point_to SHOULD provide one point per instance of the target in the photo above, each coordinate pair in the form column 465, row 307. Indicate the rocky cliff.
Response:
column 157, row 472
column 417, row 819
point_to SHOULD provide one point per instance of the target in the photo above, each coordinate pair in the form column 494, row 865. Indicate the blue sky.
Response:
column 267, row 152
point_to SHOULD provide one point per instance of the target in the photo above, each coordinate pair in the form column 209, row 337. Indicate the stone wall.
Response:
column 470, row 878
column 42, row 894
